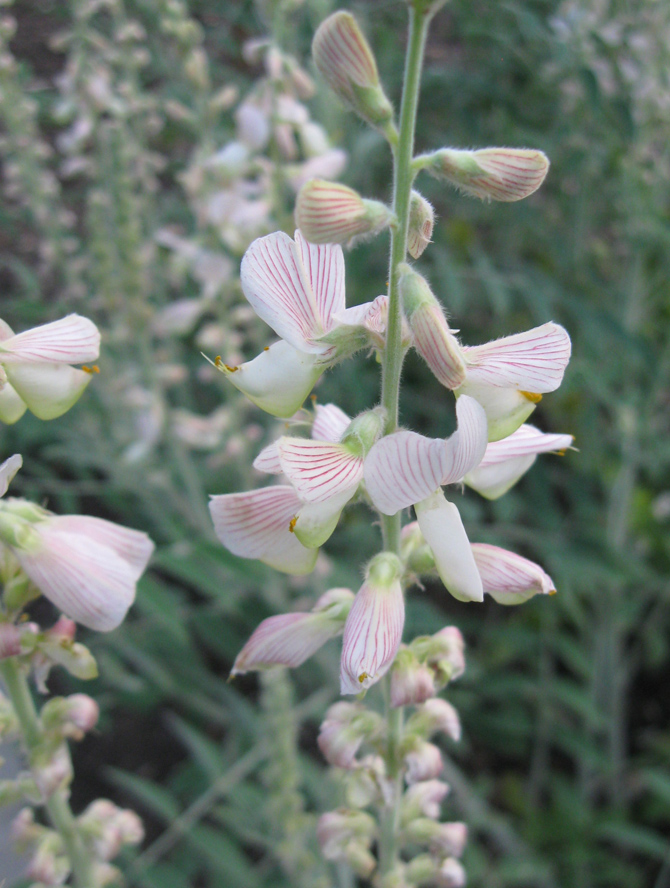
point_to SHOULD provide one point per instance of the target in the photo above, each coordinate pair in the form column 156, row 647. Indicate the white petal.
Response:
column 506, row 408
column 49, row 390
column 8, row 469
column 317, row 521
column 12, row 407
column 370, row 316
column 278, row 380
column 494, row 481
column 72, row 340
column 443, row 530
column 533, row 361
column 319, row 470
column 466, row 447
column 324, row 267
column 133, row 546
column 509, row 578
column 372, row 636
column 285, row 640
column 330, row 423
column 268, row 460
column 404, row 468
column 85, row 579
column 256, row 524
column 276, row 285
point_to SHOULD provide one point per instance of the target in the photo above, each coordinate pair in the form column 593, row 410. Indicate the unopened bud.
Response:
column 444, row 651
column 367, row 783
column 346, row 836
column 411, row 681
column 421, row 221
column 423, row 800
column 363, row 431
column 24, row 830
column 415, row 551
column 450, row 874
column 48, row 866
column 424, row 761
column 71, row 716
column 433, row 339
column 433, row 716
column 332, row 213
column 196, row 68
column 344, row 58
column 504, row 174
column 52, row 769
column 19, row 789
column 109, row 828
column 10, row 640
column 444, row 838
column 343, row 730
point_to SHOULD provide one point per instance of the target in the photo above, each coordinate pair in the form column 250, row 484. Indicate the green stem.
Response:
column 58, row 807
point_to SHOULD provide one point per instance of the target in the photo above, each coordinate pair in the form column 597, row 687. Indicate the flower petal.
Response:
column 72, row 340
column 443, row 530
column 12, row 407
column 324, row 268
column 330, row 423
column 278, row 380
column 533, row 361
column 285, row 640
column 49, row 390
column 256, row 524
column 268, row 460
column 466, row 447
column 509, row 578
column 316, row 522
column 8, row 469
column 133, row 546
column 278, row 289
column 319, row 470
column 403, row 468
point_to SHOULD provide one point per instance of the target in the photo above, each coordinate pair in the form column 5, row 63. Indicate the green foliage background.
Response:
column 563, row 771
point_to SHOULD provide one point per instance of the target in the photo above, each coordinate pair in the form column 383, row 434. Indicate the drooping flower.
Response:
column 406, row 469
column 36, row 367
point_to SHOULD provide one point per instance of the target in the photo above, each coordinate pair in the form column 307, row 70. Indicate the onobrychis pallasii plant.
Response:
column 390, row 832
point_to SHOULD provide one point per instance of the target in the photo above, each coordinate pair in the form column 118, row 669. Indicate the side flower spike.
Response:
column 507, row 460
column 290, row 639
column 37, row 367
column 373, row 631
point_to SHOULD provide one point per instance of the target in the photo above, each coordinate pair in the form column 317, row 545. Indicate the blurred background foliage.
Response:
column 111, row 113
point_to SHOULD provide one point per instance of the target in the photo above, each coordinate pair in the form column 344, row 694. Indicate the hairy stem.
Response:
column 58, row 807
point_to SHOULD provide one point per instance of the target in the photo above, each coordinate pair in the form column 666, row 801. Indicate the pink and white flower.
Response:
column 36, row 367
column 510, row 578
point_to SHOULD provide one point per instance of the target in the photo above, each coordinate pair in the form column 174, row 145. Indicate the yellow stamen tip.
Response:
column 292, row 523
column 92, row 369
column 552, row 592
column 532, row 396
column 267, row 348
column 362, row 677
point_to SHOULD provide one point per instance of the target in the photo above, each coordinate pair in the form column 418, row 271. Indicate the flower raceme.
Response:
column 87, row 567
column 297, row 288
column 36, row 371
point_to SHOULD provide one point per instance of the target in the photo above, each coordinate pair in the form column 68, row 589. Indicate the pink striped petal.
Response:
column 268, row 460
column 466, row 447
column 330, row 423
column 72, row 340
column 8, row 469
column 533, row 361
column 257, row 524
column 372, row 318
column 49, row 390
column 372, row 635
column 509, row 578
column 404, row 468
column 319, row 470
column 443, row 530
column 277, row 286
column 133, row 546
column 324, row 268
column 437, row 345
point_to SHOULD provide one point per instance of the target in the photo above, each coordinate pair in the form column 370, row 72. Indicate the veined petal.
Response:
column 268, row 460
column 276, row 285
column 319, row 470
column 8, row 469
column 466, row 447
column 507, row 460
column 330, row 423
column 133, row 546
column 509, row 578
column 72, row 340
column 278, row 380
column 12, row 407
column 533, row 361
column 256, row 524
column 49, row 390
column 438, row 346
column 443, row 530
column 324, row 269
column 403, row 468
column 370, row 317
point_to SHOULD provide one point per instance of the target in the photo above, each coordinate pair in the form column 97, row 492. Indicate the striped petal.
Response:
column 370, row 317
column 509, row 578
column 443, row 530
column 507, row 460
column 72, row 340
column 466, row 447
column 49, row 390
column 438, row 346
column 133, row 546
column 324, row 269
column 404, row 468
column 330, row 423
column 319, row 470
column 8, row 469
column 278, row 380
column 276, row 285
column 267, row 460
column 256, row 524
column 533, row 361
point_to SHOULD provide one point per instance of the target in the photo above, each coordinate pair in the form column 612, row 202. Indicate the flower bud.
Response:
column 450, row 874
column 346, row 836
column 24, row 830
column 433, row 339
column 52, row 769
column 109, row 828
column 344, row 728
column 345, row 60
column 10, row 640
column 444, row 652
column 19, row 789
column 415, row 552
column 444, row 838
column 8, row 721
column 423, row 800
column 421, row 221
column 367, row 783
column 332, row 213
column 435, row 715
column 423, row 760
column 71, row 716
column 364, row 431
column 48, row 866
column 504, row 174
column 411, row 681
